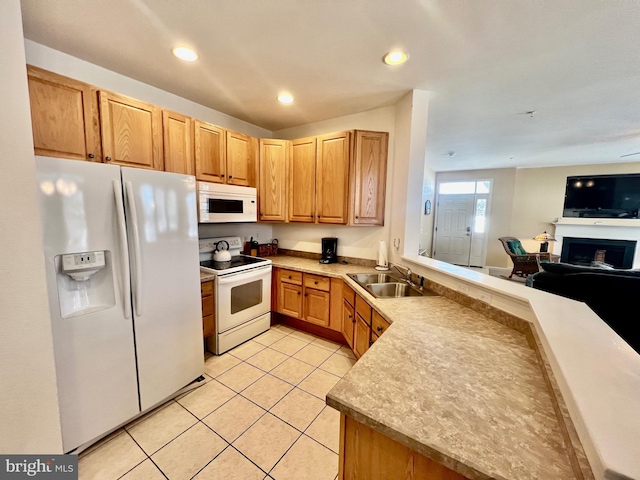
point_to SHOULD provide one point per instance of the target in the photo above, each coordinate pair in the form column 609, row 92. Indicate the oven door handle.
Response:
column 235, row 278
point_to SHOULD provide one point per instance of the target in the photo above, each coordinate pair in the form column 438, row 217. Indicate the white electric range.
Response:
column 242, row 294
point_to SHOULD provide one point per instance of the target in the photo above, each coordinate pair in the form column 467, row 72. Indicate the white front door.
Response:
column 453, row 228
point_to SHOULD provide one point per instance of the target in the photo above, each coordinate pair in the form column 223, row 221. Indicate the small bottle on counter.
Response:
column 254, row 247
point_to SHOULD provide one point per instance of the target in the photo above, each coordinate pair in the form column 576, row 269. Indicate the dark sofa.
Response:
column 614, row 295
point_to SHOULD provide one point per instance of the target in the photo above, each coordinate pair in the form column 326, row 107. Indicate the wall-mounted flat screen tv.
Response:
column 602, row 196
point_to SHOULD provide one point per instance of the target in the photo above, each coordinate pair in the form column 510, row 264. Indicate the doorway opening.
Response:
column 462, row 222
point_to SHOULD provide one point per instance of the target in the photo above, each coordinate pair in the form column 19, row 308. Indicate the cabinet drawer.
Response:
column 317, row 282
column 207, row 305
column 289, row 276
column 207, row 326
column 378, row 324
column 206, row 288
column 348, row 294
column 363, row 309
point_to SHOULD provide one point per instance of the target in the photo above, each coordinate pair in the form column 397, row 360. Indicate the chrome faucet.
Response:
column 406, row 273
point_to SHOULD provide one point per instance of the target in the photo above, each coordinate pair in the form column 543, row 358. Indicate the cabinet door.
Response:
column 131, row 131
column 348, row 322
column 316, row 306
column 302, row 181
column 64, row 116
column 332, row 178
column 274, row 158
column 238, row 159
column 361, row 340
column 290, row 299
column 178, row 143
column 209, row 152
column 369, row 178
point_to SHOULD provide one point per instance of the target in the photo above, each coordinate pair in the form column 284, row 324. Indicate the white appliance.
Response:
column 120, row 248
column 219, row 203
column 242, row 294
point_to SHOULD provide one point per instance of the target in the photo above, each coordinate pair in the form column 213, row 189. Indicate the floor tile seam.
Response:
column 238, row 391
column 167, row 443
column 268, row 409
column 225, row 371
column 324, row 348
column 318, row 441
column 291, row 354
column 285, row 453
column 174, row 439
column 245, row 430
column 216, row 456
column 246, row 360
column 291, row 425
column 148, row 415
column 229, row 399
column 272, row 368
column 139, row 463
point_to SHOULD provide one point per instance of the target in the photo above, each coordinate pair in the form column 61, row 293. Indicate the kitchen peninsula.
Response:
column 465, row 390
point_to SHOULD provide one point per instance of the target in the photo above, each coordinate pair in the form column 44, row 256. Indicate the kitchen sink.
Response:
column 366, row 278
column 383, row 285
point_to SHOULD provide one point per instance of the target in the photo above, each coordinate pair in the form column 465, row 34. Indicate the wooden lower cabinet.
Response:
column 317, row 305
column 290, row 300
column 208, row 309
column 368, row 454
column 362, row 337
column 348, row 322
column 308, row 297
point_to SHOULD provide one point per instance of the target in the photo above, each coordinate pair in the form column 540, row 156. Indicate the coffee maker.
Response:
column 329, row 250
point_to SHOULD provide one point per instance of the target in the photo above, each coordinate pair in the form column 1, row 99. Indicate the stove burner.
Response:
column 237, row 261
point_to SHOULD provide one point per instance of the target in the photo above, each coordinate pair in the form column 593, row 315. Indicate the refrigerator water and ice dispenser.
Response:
column 85, row 283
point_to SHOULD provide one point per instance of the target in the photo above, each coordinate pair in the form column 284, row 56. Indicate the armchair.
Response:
column 524, row 263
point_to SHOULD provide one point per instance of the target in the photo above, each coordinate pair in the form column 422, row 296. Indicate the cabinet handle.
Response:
column 298, row 293
column 357, row 217
column 289, row 277
column 350, row 316
column 222, row 176
column 353, row 321
column 230, row 177
column 91, row 155
column 311, row 216
column 306, row 294
column 108, row 159
column 370, row 343
column 315, row 283
column 379, row 329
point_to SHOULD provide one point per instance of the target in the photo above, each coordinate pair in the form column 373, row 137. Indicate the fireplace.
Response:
column 584, row 251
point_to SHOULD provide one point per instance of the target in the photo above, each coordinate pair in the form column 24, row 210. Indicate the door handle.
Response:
column 124, row 259
column 137, row 261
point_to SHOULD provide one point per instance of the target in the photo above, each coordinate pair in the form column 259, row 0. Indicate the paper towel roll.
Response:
column 382, row 254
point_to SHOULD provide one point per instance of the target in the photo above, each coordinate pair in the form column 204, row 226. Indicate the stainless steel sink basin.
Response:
column 393, row 290
column 365, row 278
column 383, row 285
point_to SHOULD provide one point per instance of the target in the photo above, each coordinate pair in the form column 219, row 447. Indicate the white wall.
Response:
column 29, row 415
column 63, row 64
column 360, row 242
column 261, row 232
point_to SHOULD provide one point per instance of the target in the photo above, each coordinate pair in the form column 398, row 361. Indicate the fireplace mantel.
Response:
column 603, row 228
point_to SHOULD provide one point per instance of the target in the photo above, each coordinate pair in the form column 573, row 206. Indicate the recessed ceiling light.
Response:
column 184, row 53
column 395, row 58
column 285, row 98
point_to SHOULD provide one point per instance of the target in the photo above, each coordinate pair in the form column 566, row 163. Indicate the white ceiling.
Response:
column 577, row 62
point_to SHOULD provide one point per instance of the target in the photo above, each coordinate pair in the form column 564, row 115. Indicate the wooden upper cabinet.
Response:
column 369, row 178
column 332, row 178
column 131, row 131
column 274, row 159
column 178, row 143
column 209, row 152
column 239, row 162
column 302, row 180
column 64, row 116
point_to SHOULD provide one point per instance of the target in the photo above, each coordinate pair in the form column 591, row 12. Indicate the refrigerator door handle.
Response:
column 137, row 261
column 124, row 257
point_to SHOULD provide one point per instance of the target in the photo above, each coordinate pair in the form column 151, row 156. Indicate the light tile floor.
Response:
column 261, row 415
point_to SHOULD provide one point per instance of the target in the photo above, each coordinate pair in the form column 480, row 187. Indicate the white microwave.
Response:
column 219, row 203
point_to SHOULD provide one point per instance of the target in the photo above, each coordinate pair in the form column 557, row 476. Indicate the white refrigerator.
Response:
column 121, row 253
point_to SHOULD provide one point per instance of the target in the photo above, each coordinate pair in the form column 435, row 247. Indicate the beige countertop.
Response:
column 206, row 277
column 452, row 384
